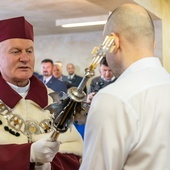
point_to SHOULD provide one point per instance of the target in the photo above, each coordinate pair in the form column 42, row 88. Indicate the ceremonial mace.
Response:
column 65, row 107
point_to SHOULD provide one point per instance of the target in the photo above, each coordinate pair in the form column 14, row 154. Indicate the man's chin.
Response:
column 45, row 75
column 25, row 76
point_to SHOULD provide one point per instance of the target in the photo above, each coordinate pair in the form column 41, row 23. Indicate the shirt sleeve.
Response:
column 109, row 133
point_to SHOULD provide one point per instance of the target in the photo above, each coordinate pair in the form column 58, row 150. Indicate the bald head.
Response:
column 70, row 68
column 132, row 22
column 133, row 31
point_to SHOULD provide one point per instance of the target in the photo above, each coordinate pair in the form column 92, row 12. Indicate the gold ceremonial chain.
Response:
column 19, row 125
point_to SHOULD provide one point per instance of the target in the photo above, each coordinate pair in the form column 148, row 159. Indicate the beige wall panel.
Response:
column 161, row 8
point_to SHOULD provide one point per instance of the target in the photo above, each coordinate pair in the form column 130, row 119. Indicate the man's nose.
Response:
column 24, row 56
column 107, row 73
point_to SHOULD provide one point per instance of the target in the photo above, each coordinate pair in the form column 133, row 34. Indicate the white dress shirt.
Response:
column 128, row 124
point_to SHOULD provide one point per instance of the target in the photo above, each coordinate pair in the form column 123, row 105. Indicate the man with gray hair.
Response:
column 25, row 125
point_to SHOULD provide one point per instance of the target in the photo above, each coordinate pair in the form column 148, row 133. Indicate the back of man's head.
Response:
column 133, row 23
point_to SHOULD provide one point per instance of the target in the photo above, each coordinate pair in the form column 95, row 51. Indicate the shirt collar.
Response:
column 108, row 80
column 20, row 89
column 140, row 65
column 71, row 76
column 47, row 79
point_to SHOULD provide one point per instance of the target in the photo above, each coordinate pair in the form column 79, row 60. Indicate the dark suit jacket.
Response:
column 75, row 81
column 98, row 83
column 64, row 78
column 66, row 81
column 56, row 85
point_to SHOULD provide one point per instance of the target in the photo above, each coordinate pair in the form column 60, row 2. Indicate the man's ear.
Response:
column 116, row 41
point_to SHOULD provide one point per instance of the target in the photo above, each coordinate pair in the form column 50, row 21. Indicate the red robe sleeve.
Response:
column 65, row 162
column 15, row 157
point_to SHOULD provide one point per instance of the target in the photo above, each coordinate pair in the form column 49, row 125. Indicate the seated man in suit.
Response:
column 106, row 77
column 73, row 79
column 58, row 71
column 47, row 77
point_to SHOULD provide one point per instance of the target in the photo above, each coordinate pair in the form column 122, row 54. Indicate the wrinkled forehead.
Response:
column 17, row 43
column 56, row 67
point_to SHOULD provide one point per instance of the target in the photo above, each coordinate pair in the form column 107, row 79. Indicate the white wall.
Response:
column 76, row 48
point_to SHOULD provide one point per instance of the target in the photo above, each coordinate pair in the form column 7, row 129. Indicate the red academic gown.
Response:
column 17, row 156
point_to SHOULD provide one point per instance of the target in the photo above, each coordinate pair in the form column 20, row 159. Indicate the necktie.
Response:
column 44, row 81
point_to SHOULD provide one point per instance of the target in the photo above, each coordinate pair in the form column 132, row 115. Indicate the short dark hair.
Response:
column 47, row 61
column 103, row 61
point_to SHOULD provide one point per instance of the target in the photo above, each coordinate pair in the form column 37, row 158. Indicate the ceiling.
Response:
column 42, row 14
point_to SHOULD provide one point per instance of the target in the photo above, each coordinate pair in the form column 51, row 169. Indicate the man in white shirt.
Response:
column 128, row 122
